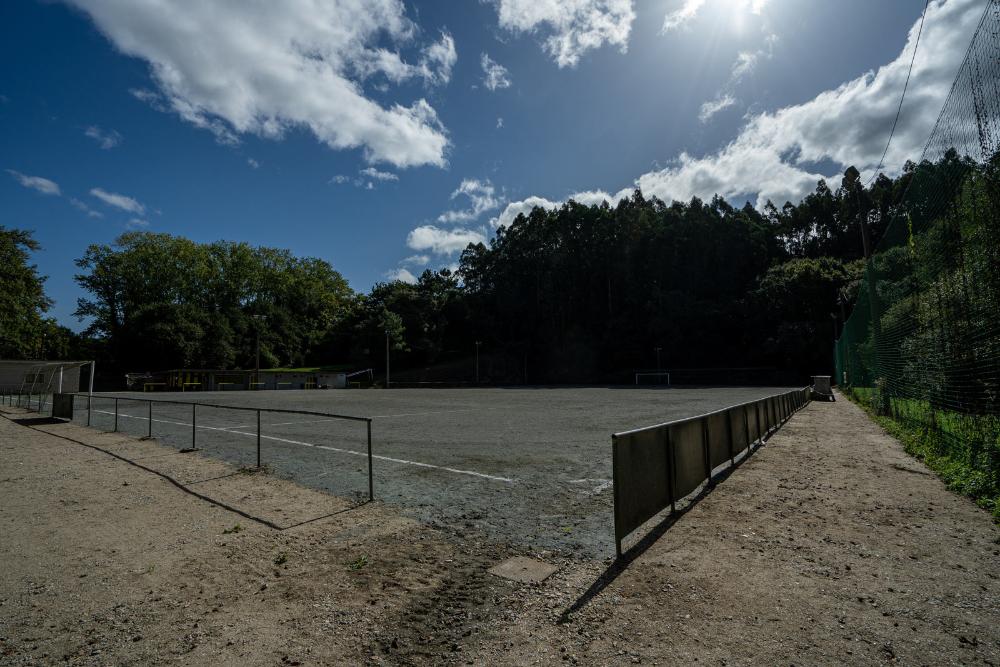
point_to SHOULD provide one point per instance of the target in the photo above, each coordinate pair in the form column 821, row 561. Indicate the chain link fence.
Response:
column 922, row 344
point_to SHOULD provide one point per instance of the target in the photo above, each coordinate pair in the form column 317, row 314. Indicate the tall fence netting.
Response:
column 923, row 341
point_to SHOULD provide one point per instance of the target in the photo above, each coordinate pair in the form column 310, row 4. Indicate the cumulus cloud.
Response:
column 119, row 201
column 570, row 28
column 499, row 122
column 442, row 241
column 253, row 163
column 525, row 206
column 401, row 274
column 265, row 68
column 43, row 185
column 495, row 75
column 773, row 154
column 418, row 260
column 481, row 196
column 106, row 139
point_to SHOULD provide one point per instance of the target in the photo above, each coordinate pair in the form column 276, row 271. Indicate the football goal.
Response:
column 652, row 378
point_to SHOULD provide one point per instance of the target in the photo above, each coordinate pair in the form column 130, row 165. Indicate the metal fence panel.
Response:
column 738, row 427
column 718, row 439
column 641, row 473
column 689, row 457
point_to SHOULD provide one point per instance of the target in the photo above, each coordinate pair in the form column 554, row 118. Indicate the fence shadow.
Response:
column 620, row 564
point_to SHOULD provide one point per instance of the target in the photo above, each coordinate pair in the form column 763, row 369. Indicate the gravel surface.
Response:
column 528, row 466
column 828, row 546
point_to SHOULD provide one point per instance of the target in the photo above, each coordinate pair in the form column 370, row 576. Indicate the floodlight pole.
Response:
column 386, row 358
column 658, row 368
column 478, row 343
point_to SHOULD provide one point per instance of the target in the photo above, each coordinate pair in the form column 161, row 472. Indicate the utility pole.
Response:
column 478, row 343
column 257, row 319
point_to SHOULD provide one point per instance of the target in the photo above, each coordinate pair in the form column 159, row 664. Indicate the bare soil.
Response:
column 829, row 545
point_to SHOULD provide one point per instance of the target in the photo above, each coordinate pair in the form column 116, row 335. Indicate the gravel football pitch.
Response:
column 527, row 466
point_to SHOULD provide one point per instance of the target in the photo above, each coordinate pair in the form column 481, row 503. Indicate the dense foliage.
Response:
column 25, row 332
column 575, row 294
column 160, row 301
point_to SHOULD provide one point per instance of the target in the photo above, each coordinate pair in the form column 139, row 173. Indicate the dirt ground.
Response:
column 828, row 546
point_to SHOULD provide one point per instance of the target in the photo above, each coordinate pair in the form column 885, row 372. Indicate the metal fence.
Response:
column 655, row 466
column 235, row 434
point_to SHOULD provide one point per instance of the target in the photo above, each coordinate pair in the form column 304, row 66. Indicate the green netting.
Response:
column 923, row 340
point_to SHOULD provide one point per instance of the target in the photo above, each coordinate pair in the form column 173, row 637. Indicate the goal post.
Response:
column 660, row 378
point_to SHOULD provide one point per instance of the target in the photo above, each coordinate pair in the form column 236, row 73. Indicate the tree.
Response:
column 22, row 297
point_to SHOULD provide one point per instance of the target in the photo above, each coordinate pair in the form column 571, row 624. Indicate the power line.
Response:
column 881, row 161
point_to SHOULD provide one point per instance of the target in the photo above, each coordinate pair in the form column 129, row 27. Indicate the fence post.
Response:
column 258, row 439
column 704, row 450
column 116, row 415
column 371, row 484
column 90, row 408
column 149, row 432
column 729, row 435
column 671, row 469
column 194, row 427
column 760, row 431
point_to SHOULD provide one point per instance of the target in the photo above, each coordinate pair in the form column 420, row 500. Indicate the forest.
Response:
column 574, row 294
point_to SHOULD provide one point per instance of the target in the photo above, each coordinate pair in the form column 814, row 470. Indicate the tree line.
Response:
column 573, row 294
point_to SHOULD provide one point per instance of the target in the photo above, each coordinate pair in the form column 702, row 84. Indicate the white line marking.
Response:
column 604, row 484
column 421, row 414
column 339, row 450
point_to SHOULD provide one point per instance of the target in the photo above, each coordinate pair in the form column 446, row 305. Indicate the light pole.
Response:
column 386, row 358
column 658, row 368
column 257, row 319
column 478, row 343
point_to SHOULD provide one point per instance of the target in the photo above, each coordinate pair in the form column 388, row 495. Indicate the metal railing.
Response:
column 655, row 466
column 24, row 400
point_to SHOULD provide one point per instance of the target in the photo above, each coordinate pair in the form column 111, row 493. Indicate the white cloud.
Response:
column 571, row 27
column 682, row 16
column 105, row 139
column 137, row 223
column 417, row 260
column 442, row 241
column 495, row 75
column 688, row 11
column 709, row 109
column 119, row 201
column 365, row 178
column 266, row 68
column 43, row 185
column 253, row 163
column 481, row 196
column 499, row 122
column 771, row 157
column 91, row 213
column 403, row 275
column 525, row 206
column 372, row 172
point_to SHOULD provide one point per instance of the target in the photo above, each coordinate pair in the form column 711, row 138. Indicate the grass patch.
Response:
column 237, row 528
column 281, row 558
column 964, row 450
column 358, row 563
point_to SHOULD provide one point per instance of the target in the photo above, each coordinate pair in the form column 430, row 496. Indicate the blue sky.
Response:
column 382, row 136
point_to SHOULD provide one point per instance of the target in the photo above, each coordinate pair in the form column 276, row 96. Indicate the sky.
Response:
column 383, row 136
